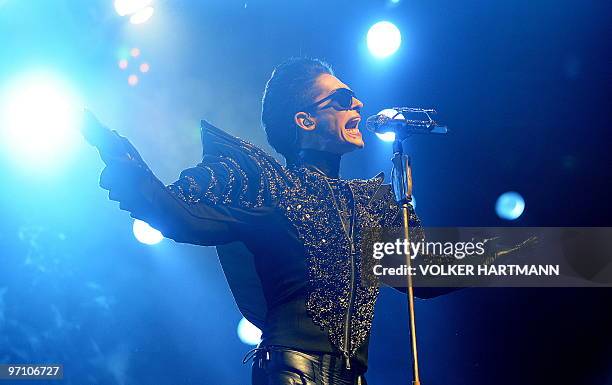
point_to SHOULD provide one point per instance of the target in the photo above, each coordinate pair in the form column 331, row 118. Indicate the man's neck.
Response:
column 324, row 161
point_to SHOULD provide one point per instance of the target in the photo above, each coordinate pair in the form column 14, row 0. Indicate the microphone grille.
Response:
column 375, row 122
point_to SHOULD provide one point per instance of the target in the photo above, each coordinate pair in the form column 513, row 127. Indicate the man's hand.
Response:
column 112, row 146
column 124, row 170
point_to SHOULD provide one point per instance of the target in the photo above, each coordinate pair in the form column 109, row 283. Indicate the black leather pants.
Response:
column 276, row 365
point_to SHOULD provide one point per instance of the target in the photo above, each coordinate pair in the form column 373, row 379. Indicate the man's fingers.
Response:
column 118, row 191
column 113, row 196
column 111, row 145
column 91, row 127
column 106, row 178
column 116, row 175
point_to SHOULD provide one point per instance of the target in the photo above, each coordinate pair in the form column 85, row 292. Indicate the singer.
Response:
column 292, row 231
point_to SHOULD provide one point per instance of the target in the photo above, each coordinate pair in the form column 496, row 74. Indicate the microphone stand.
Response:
column 402, row 188
column 396, row 121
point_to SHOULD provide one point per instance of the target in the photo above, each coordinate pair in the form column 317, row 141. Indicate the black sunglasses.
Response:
column 342, row 99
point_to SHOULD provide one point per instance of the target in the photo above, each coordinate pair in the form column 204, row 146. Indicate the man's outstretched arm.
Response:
column 180, row 211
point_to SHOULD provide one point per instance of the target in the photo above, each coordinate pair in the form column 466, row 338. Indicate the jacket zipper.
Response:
column 349, row 234
column 347, row 320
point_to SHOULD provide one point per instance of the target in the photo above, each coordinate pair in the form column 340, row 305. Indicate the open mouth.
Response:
column 352, row 125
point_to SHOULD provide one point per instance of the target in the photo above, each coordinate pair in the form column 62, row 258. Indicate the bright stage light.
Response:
column 146, row 234
column 129, row 7
column 383, row 39
column 39, row 119
column 386, row 136
column 139, row 10
column 248, row 333
column 510, row 205
column 142, row 16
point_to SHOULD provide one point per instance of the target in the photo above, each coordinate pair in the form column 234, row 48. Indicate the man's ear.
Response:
column 304, row 121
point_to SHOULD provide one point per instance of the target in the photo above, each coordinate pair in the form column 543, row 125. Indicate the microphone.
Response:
column 394, row 120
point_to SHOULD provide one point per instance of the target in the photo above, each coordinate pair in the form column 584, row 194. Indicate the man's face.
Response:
column 336, row 129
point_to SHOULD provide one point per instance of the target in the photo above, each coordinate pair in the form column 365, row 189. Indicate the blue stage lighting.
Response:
column 383, row 39
column 510, row 205
column 146, row 234
column 248, row 333
column 39, row 120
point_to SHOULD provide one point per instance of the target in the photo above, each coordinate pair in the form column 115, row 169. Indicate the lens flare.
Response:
column 144, row 68
column 510, row 205
column 123, row 64
column 132, row 80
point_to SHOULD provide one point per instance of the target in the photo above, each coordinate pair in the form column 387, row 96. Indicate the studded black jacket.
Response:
column 288, row 238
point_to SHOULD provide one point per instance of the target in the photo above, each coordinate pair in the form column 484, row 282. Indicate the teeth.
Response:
column 352, row 124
